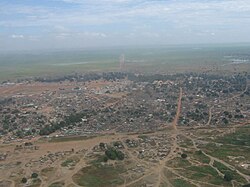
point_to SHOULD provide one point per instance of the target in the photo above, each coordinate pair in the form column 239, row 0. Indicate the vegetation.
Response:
column 114, row 154
column 228, row 173
column 72, row 119
column 184, row 155
column 204, row 169
column 24, row 180
column 70, row 138
column 240, row 137
column 181, row 183
column 246, row 185
column 228, row 176
column 57, row 184
column 34, row 175
column 199, row 155
column 36, row 182
column 70, row 162
column 95, row 176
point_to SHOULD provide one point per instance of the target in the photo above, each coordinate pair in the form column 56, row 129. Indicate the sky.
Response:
column 61, row 24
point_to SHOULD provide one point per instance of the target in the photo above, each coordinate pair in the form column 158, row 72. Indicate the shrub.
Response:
column 120, row 155
column 183, row 155
column 111, row 154
column 34, row 175
column 24, row 180
column 228, row 176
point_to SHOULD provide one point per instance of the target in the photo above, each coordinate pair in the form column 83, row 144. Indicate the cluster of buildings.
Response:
column 131, row 104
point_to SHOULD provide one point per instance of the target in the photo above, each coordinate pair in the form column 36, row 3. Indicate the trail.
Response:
column 178, row 111
column 159, row 169
column 210, row 116
column 174, row 147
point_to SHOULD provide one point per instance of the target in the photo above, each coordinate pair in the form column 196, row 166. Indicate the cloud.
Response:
column 117, row 20
column 16, row 36
column 80, row 35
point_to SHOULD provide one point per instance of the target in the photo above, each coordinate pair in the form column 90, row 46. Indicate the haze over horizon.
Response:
column 66, row 24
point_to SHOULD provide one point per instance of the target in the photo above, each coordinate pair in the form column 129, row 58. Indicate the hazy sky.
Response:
column 41, row 24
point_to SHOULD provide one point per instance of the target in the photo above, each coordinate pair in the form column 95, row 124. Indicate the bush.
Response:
column 199, row 152
column 34, row 175
column 183, row 155
column 105, row 159
column 24, row 180
column 120, row 155
column 111, row 154
column 102, row 145
column 228, row 176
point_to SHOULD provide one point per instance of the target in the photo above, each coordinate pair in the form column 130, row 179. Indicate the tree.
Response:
column 34, row 175
column 102, row 145
column 105, row 158
column 199, row 152
column 24, row 180
column 183, row 155
column 111, row 154
column 228, row 176
column 120, row 155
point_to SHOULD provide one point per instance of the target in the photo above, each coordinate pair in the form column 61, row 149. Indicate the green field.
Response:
column 98, row 176
column 144, row 59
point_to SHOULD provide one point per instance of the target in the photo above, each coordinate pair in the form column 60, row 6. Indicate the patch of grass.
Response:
column 199, row 155
column 240, row 137
column 224, row 151
column 198, row 176
column 223, row 169
column 95, row 176
column 218, row 181
column 98, row 160
column 179, row 162
column 47, row 171
column 186, row 142
column 208, row 174
column 181, row 183
column 70, row 162
column 57, row 184
column 204, row 170
column 70, row 138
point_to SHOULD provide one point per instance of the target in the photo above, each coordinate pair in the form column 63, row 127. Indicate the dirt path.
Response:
column 210, row 116
column 173, row 149
column 159, row 169
column 178, row 111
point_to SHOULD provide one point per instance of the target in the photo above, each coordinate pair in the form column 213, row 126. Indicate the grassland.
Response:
column 95, row 176
column 151, row 59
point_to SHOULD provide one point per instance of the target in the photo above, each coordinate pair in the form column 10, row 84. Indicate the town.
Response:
column 90, row 123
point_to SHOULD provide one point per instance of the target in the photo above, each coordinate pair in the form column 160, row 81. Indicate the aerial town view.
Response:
column 93, row 114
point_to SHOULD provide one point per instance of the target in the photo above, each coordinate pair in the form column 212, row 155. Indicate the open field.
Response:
column 173, row 59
